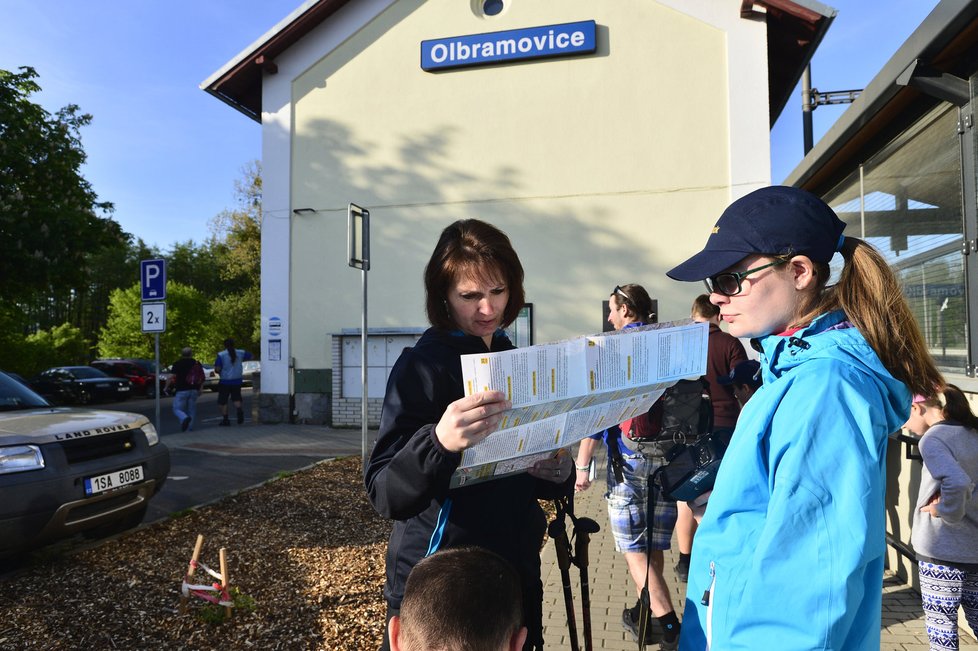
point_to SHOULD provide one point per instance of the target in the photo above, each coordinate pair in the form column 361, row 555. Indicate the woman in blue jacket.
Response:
column 473, row 288
column 790, row 551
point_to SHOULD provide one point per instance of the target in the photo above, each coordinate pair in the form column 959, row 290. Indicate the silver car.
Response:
column 65, row 471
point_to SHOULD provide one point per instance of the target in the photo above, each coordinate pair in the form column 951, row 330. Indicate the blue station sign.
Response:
column 547, row 41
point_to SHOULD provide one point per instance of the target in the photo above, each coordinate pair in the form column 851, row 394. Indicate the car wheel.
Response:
column 126, row 523
column 84, row 397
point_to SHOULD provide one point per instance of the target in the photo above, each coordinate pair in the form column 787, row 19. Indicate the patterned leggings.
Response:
column 943, row 588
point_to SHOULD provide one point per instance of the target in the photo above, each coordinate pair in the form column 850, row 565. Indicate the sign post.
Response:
column 152, row 285
column 358, row 238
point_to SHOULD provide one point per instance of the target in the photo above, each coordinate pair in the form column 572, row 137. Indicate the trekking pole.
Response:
column 583, row 528
column 558, row 532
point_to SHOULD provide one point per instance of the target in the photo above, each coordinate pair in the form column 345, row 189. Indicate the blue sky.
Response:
column 167, row 154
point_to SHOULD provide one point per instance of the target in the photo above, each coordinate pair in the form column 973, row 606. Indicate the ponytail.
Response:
column 956, row 407
column 872, row 299
column 232, row 352
column 637, row 300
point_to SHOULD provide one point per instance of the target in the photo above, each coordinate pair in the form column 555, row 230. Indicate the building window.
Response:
column 906, row 201
column 493, row 7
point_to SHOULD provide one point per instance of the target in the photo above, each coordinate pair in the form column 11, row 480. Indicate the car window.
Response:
column 14, row 395
column 86, row 372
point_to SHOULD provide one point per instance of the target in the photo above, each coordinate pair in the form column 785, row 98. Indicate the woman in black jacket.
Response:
column 474, row 288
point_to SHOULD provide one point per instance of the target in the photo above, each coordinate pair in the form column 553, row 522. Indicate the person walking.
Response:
column 643, row 543
column 790, row 552
column 187, row 378
column 228, row 366
column 945, row 522
column 473, row 289
column 723, row 353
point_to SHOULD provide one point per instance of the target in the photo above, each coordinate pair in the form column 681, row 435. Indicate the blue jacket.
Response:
column 231, row 372
column 790, row 552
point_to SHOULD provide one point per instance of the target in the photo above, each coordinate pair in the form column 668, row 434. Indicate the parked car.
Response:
column 80, row 385
column 211, row 378
column 143, row 381
column 65, row 471
column 248, row 369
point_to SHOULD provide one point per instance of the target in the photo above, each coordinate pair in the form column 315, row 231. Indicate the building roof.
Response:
column 946, row 42
column 795, row 28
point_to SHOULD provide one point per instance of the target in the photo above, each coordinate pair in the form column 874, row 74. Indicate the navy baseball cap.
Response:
column 746, row 372
column 778, row 220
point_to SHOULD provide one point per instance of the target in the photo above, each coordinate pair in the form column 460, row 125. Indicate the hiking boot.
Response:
column 240, row 416
column 184, row 424
column 629, row 619
column 682, row 571
column 225, row 422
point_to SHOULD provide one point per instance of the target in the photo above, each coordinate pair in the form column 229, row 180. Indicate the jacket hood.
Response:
column 832, row 336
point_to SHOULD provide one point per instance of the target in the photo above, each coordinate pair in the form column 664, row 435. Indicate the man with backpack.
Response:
column 187, row 374
column 640, row 536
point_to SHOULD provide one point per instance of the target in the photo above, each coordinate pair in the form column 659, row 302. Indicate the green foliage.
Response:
column 188, row 323
column 239, row 310
column 214, row 614
column 50, row 217
column 70, row 270
column 62, row 345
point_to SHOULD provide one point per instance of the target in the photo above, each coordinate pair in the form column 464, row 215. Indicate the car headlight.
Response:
column 19, row 458
column 151, row 436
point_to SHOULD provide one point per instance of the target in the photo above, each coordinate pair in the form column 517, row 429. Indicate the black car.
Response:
column 65, row 471
column 80, row 385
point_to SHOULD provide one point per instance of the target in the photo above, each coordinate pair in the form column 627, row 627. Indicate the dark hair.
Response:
column 637, row 300
column 229, row 346
column 470, row 247
column 461, row 598
column 955, row 407
column 702, row 307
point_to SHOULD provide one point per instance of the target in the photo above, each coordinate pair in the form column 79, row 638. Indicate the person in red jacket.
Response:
column 723, row 353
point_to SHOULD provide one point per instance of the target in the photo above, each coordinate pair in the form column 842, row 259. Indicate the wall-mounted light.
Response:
column 303, row 211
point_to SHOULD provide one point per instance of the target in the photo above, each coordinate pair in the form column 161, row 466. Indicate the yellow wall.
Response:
column 603, row 169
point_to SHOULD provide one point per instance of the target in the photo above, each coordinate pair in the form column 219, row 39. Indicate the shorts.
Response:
column 225, row 390
column 628, row 506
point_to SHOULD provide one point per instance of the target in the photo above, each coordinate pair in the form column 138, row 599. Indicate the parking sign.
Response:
column 154, row 317
column 152, row 279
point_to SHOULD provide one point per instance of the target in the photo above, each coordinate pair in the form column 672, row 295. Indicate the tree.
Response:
column 239, row 310
column 50, row 217
column 188, row 323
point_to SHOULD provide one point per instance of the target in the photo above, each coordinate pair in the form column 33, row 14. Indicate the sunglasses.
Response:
column 619, row 290
column 729, row 283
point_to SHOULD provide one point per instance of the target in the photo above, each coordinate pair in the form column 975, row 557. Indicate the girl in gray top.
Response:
column 945, row 524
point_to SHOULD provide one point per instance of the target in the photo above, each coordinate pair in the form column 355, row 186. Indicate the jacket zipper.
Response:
column 708, row 602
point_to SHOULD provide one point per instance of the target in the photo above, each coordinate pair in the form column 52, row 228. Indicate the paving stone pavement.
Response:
column 611, row 592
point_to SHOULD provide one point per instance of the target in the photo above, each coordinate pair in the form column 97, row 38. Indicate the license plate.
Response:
column 123, row 388
column 117, row 479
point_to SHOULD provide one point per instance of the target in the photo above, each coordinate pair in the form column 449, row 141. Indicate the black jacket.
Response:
column 408, row 474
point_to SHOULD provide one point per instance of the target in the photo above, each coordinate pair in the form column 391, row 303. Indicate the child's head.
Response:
column 704, row 310
column 745, row 378
column 766, row 266
column 460, row 598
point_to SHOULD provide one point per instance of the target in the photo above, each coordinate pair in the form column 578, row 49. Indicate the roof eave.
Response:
column 238, row 83
column 856, row 128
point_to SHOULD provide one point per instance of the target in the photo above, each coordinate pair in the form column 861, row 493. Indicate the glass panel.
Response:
column 911, row 212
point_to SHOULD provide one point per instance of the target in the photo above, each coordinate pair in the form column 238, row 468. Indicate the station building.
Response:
column 604, row 137
column 606, row 163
